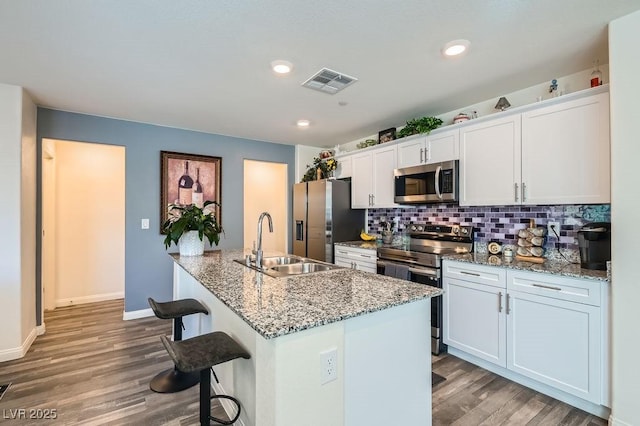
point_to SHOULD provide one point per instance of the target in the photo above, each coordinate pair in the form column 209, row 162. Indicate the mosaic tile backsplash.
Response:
column 496, row 223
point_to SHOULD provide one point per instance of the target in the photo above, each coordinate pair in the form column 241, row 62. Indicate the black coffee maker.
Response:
column 594, row 241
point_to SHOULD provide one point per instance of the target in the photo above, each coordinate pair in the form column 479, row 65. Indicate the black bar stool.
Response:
column 174, row 380
column 200, row 354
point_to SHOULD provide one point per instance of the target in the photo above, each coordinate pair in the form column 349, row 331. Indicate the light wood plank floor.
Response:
column 474, row 396
column 93, row 368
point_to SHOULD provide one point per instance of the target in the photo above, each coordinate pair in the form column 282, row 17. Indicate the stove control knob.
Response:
column 419, row 228
column 413, row 228
column 456, row 230
column 465, row 231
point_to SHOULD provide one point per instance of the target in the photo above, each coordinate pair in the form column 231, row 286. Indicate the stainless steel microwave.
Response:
column 428, row 183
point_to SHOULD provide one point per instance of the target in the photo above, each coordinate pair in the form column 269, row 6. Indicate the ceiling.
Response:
column 205, row 65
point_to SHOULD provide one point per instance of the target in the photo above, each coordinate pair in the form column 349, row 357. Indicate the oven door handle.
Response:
column 432, row 273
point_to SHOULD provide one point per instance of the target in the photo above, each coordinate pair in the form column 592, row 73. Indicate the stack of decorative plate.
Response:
column 530, row 243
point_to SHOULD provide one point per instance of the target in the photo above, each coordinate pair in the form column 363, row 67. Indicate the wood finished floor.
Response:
column 472, row 396
column 93, row 368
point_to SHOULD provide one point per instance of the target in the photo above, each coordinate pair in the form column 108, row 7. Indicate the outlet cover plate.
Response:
column 550, row 231
column 328, row 366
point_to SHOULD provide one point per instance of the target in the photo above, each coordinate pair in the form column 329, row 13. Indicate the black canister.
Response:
column 594, row 241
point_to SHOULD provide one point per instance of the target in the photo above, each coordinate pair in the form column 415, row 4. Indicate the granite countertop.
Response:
column 550, row 266
column 278, row 306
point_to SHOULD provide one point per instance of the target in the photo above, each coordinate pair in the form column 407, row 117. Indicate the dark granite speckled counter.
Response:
column 557, row 267
column 278, row 306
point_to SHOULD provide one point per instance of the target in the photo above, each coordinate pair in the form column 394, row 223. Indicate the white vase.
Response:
column 190, row 244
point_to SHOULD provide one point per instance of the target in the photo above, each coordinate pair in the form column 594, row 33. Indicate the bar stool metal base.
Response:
column 205, row 401
column 173, row 380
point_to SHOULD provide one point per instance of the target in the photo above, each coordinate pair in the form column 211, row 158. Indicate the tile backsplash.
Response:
column 496, row 223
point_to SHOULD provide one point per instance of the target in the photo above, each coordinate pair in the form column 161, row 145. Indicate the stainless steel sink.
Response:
column 270, row 262
column 302, row 268
column 288, row 265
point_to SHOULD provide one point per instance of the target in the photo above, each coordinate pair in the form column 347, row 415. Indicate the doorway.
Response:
column 265, row 189
column 83, row 222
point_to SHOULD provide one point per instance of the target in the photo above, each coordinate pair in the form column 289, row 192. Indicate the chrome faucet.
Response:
column 258, row 251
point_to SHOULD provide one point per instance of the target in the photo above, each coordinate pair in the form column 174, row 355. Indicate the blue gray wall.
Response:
column 148, row 268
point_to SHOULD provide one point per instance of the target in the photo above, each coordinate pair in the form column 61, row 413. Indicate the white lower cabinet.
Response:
column 473, row 318
column 545, row 327
column 356, row 258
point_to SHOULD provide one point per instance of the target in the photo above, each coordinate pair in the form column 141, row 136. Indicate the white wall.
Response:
column 566, row 84
column 304, row 157
column 90, row 222
column 17, row 214
column 625, row 205
column 28, row 216
column 265, row 189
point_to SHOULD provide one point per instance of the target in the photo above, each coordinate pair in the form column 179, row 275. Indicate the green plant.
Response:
column 325, row 165
column 183, row 219
column 419, row 125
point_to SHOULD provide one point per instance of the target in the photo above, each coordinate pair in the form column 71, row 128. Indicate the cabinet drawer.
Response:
column 358, row 254
column 557, row 287
column 489, row 275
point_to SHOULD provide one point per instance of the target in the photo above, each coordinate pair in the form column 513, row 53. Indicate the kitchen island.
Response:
column 376, row 328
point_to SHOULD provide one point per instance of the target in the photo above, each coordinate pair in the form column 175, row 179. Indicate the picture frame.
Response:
column 189, row 179
column 387, row 135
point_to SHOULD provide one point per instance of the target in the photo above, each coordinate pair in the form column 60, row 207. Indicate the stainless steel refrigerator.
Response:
column 322, row 215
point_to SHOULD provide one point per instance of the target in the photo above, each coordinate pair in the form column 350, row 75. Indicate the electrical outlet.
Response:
column 328, row 366
column 144, row 223
column 556, row 225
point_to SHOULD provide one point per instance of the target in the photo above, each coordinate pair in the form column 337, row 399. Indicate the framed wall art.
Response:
column 387, row 135
column 189, row 179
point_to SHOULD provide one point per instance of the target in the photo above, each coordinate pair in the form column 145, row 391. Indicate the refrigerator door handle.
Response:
column 299, row 230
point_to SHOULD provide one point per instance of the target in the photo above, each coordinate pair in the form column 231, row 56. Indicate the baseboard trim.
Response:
column 142, row 313
column 227, row 405
column 617, row 422
column 71, row 301
column 41, row 329
column 20, row 351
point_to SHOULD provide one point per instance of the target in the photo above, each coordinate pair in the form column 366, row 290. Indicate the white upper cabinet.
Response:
column 372, row 178
column 553, row 154
column 490, row 162
column 442, row 146
column 565, row 152
column 411, row 152
column 344, row 169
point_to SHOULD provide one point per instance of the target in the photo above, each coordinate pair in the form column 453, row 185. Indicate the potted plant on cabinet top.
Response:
column 419, row 125
column 188, row 225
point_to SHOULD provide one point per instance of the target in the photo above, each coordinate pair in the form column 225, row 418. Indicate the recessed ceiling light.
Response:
column 281, row 67
column 455, row 47
column 303, row 123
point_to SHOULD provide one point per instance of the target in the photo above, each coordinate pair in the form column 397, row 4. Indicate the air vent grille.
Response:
column 329, row 81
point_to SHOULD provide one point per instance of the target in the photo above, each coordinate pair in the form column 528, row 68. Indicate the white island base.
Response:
column 383, row 366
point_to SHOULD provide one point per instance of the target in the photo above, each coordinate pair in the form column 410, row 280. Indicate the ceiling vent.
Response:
column 329, row 81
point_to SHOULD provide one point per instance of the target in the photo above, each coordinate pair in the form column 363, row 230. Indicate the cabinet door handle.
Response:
column 523, row 189
column 508, row 309
column 548, row 287
column 515, row 192
column 473, row 274
column 373, row 199
column 499, row 301
column 421, row 155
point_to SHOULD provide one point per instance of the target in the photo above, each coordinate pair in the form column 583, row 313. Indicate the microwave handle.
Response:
column 438, row 193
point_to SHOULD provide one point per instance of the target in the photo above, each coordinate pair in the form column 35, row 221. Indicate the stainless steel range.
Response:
column 420, row 262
